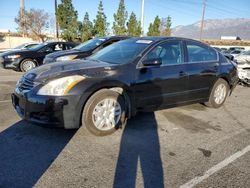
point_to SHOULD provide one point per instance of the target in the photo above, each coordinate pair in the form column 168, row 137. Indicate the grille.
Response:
column 25, row 84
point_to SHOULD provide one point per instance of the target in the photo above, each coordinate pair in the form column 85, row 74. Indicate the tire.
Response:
column 27, row 64
column 99, row 107
column 218, row 94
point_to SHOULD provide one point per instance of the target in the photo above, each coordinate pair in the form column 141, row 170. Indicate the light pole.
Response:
column 142, row 17
column 22, row 16
column 57, row 34
column 202, row 18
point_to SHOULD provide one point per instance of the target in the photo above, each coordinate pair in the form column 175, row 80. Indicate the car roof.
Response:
column 160, row 38
column 114, row 37
column 58, row 42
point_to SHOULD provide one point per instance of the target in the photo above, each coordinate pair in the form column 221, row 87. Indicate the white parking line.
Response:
column 5, row 101
column 216, row 168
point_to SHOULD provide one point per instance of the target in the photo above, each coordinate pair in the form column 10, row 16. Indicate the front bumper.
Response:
column 10, row 63
column 49, row 111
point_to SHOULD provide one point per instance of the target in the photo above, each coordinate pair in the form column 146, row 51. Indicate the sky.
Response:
column 182, row 12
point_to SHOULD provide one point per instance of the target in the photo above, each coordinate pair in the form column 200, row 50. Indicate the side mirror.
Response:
column 152, row 62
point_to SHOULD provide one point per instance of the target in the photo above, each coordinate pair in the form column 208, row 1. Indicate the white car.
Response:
column 236, row 53
column 244, row 57
column 244, row 72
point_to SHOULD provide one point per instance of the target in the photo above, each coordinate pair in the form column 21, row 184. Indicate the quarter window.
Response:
column 198, row 52
column 169, row 52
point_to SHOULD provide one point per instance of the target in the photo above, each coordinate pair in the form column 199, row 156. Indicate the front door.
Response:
column 158, row 86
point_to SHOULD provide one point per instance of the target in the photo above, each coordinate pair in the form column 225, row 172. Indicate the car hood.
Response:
column 65, row 53
column 12, row 52
column 88, row 68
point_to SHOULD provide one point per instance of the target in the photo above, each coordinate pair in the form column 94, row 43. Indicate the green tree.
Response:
column 119, row 25
column 67, row 20
column 134, row 26
column 154, row 28
column 87, row 28
column 100, row 23
column 166, row 24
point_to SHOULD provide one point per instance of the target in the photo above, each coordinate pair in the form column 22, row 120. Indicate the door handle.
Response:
column 216, row 65
column 182, row 73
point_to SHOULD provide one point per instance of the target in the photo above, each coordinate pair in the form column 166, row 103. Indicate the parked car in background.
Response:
column 25, row 60
column 236, row 52
column 243, row 61
column 137, row 74
column 236, row 48
column 21, row 47
column 225, row 53
column 244, row 73
column 223, row 48
column 243, row 57
column 83, row 50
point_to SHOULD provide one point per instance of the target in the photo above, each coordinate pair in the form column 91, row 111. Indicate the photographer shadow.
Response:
column 140, row 144
column 27, row 151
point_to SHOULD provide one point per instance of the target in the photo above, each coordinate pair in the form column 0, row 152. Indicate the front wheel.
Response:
column 27, row 65
column 104, row 112
column 218, row 94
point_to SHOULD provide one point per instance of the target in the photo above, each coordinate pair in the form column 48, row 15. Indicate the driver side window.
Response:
column 169, row 52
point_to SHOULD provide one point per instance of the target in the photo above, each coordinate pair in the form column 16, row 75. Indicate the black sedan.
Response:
column 137, row 74
column 83, row 50
column 25, row 60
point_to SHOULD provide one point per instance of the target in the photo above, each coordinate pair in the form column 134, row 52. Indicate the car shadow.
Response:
column 139, row 144
column 27, row 151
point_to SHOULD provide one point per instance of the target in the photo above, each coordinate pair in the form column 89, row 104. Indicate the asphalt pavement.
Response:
column 190, row 146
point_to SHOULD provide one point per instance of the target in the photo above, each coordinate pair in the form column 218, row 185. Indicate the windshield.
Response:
column 121, row 52
column 38, row 46
column 20, row 46
column 30, row 46
column 90, row 44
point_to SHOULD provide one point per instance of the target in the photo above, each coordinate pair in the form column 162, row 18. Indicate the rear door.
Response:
column 203, row 67
column 159, row 86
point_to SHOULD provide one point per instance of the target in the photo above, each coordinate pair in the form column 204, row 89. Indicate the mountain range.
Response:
column 215, row 28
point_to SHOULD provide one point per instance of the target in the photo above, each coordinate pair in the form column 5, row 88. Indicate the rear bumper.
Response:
column 234, row 82
column 49, row 111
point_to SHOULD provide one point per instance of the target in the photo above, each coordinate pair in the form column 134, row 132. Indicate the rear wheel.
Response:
column 218, row 94
column 104, row 112
column 27, row 65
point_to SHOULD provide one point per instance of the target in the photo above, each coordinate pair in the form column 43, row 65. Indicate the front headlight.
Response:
column 61, row 86
column 12, row 56
column 66, row 58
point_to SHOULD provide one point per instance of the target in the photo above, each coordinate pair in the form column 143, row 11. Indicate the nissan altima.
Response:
column 132, row 75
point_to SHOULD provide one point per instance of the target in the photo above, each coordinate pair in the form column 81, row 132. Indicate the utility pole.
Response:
column 22, row 17
column 142, row 17
column 202, row 18
column 57, row 34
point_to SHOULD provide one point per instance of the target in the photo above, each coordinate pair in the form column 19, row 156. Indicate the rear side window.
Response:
column 58, row 47
column 68, row 46
column 198, row 52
